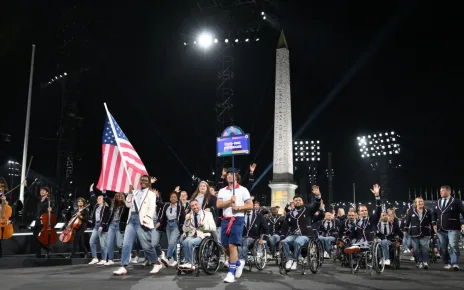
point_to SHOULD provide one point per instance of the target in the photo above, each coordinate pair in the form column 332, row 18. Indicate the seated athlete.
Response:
column 298, row 228
column 328, row 232
column 198, row 224
column 255, row 228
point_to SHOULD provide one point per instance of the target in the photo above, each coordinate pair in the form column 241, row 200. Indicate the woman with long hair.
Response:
column 419, row 222
column 172, row 219
column 207, row 202
column 84, row 215
column 116, row 226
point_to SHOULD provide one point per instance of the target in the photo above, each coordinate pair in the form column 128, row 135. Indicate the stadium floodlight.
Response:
column 307, row 151
column 379, row 144
column 205, row 39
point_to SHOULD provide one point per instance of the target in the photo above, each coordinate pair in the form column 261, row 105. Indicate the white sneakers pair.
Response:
column 230, row 278
column 123, row 270
column 291, row 265
column 95, row 261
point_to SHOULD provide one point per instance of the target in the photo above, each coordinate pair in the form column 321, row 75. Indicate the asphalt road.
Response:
column 331, row 276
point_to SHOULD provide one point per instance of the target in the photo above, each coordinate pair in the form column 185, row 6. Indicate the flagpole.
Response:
column 116, row 138
column 26, row 133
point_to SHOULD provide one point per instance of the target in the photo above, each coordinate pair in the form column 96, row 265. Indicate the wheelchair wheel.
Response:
column 260, row 255
column 320, row 252
column 283, row 261
column 353, row 260
column 396, row 258
column 377, row 258
column 313, row 256
column 209, row 255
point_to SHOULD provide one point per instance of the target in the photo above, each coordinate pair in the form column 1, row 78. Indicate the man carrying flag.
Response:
column 122, row 167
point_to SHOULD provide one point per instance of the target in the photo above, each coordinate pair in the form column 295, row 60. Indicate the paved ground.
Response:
column 330, row 277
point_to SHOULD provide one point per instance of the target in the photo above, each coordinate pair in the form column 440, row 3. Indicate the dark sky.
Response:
column 356, row 69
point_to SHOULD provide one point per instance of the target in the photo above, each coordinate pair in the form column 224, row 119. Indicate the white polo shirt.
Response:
column 242, row 195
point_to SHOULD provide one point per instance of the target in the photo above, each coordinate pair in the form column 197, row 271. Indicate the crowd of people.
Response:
column 136, row 220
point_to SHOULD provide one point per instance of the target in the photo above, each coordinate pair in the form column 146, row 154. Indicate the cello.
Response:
column 72, row 227
column 6, row 228
column 48, row 235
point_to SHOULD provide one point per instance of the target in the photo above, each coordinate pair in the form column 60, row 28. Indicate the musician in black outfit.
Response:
column 387, row 229
column 447, row 225
column 255, row 228
column 275, row 221
column 419, row 223
column 42, row 208
column 84, row 215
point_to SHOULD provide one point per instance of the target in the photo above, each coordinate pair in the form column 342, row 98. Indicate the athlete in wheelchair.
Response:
column 390, row 235
column 253, row 248
column 198, row 249
column 346, row 230
column 328, row 233
column 365, row 250
column 275, row 221
column 300, row 248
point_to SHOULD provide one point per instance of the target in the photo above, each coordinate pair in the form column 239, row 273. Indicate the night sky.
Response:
column 356, row 69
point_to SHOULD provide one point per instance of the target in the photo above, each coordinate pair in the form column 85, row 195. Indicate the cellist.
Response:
column 42, row 207
column 84, row 215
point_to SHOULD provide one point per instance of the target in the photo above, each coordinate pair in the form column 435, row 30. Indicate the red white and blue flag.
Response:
column 121, row 165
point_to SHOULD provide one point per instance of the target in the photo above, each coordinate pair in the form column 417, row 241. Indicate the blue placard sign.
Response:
column 233, row 141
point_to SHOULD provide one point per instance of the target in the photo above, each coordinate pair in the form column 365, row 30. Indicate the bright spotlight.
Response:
column 378, row 146
column 262, row 13
column 226, row 41
column 215, row 40
column 264, row 17
column 246, row 40
column 65, row 74
column 257, row 39
column 205, row 40
column 185, row 43
column 236, row 40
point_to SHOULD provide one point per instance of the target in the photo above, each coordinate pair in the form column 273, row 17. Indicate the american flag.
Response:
column 113, row 175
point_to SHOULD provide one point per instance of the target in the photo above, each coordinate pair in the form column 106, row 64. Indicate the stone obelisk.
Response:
column 282, row 185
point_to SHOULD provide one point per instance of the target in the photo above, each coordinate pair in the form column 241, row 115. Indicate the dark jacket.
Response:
column 275, row 223
column 104, row 216
column 346, row 229
column 300, row 222
column 365, row 229
column 257, row 228
column 393, row 230
column 447, row 218
column 123, row 216
column 326, row 230
column 419, row 227
column 163, row 220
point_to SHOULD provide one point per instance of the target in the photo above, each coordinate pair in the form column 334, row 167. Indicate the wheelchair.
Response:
column 395, row 253
column 206, row 256
column 257, row 255
column 339, row 254
column 369, row 256
column 311, row 256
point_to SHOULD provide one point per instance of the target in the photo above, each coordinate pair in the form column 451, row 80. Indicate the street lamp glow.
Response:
column 307, row 150
column 205, row 40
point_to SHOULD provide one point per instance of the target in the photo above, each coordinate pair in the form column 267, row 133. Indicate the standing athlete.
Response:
column 235, row 200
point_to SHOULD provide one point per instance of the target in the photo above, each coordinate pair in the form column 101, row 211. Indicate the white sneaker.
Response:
column 156, row 268
column 455, row 267
column 186, row 266
column 288, row 265
column 165, row 261
column 226, row 264
column 386, row 262
column 172, row 263
column 135, row 260
column 447, row 267
column 109, row 263
column 94, row 261
column 229, row 278
column 239, row 269
column 326, row 255
column 426, row 266
column 294, row 265
column 120, row 271
column 412, row 259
